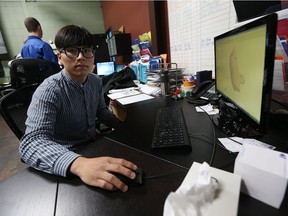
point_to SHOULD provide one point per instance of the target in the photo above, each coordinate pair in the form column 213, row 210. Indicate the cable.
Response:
column 224, row 135
column 214, row 138
column 170, row 162
column 199, row 136
column 223, row 147
column 165, row 174
column 56, row 196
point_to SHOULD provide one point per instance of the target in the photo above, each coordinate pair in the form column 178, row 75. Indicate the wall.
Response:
column 133, row 15
column 51, row 15
column 54, row 14
column 193, row 26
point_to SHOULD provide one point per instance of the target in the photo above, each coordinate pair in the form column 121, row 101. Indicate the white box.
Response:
column 227, row 200
column 263, row 173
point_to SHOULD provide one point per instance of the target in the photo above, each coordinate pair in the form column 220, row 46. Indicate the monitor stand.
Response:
column 230, row 122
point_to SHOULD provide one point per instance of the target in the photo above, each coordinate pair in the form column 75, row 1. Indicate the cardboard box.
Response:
column 263, row 173
column 119, row 111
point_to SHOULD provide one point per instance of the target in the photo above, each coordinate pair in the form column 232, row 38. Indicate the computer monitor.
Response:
column 109, row 33
column 246, row 10
column 244, row 64
column 105, row 68
column 120, row 67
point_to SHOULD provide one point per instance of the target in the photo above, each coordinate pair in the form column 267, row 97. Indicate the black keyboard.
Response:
column 170, row 129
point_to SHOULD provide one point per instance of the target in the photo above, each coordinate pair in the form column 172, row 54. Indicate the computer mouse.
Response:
column 138, row 180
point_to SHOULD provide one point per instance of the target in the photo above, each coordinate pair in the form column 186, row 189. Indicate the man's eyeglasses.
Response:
column 73, row 52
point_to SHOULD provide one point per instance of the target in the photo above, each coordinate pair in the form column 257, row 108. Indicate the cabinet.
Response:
column 101, row 48
column 120, row 45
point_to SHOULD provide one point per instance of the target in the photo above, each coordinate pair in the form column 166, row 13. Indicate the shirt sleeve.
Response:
column 104, row 114
column 48, row 53
column 37, row 147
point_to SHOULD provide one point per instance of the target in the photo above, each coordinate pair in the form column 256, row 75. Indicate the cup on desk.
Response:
column 188, row 81
column 186, row 90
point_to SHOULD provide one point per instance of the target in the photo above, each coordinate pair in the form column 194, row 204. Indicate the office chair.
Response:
column 13, row 107
column 28, row 71
column 5, row 89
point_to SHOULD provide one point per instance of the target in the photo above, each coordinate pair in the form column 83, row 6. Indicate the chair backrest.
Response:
column 13, row 108
column 28, row 71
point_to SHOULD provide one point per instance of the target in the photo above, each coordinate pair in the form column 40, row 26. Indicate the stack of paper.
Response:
column 134, row 99
column 122, row 94
column 128, row 95
column 150, row 90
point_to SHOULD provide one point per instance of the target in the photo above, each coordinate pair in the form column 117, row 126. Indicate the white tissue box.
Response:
column 226, row 202
column 263, row 173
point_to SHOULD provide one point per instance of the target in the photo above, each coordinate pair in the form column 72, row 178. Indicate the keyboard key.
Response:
column 170, row 129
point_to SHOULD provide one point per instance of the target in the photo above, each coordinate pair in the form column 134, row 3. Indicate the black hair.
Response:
column 73, row 35
column 31, row 24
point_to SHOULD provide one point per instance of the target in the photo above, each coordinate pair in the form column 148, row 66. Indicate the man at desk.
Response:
column 62, row 116
column 35, row 47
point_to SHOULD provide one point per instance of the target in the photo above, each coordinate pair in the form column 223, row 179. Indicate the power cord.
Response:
column 214, row 137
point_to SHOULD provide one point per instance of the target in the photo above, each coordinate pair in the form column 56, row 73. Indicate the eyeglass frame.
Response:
column 79, row 49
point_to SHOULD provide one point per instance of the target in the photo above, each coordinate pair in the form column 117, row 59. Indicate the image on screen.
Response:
column 241, row 66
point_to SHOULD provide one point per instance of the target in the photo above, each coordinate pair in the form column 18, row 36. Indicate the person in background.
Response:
column 62, row 116
column 35, row 47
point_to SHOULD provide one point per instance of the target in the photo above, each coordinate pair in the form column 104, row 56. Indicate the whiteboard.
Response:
column 193, row 24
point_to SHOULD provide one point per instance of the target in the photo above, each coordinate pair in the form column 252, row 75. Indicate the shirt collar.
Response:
column 33, row 37
column 71, row 81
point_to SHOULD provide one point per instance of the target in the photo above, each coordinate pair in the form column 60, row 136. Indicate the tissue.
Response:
column 194, row 199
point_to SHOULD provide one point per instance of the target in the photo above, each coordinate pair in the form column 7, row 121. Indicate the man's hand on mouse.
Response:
column 98, row 171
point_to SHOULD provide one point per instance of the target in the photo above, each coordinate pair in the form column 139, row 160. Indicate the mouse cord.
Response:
column 56, row 195
column 165, row 174
column 154, row 156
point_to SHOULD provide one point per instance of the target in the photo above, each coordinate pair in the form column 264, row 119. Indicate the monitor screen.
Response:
column 120, row 67
column 109, row 33
column 246, row 10
column 244, row 63
column 105, row 68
